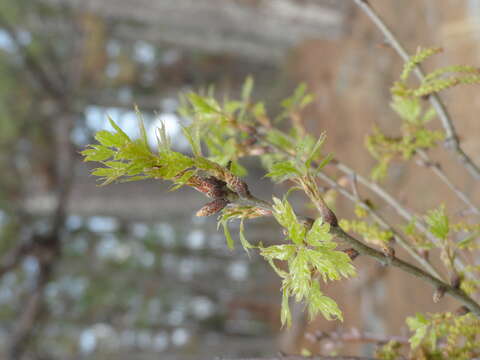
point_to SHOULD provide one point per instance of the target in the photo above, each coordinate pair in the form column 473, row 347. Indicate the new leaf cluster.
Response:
column 309, row 256
column 407, row 102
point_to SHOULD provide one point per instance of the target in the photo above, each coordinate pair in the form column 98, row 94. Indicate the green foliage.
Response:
column 417, row 238
column 130, row 160
column 385, row 149
column 436, row 80
column 406, row 102
column 311, row 254
column 438, row 223
column 389, row 351
column 445, row 336
column 297, row 102
column 418, row 58
column 371, row 233
column 285, row 216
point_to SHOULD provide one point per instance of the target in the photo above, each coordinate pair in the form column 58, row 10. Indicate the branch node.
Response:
column 439, row 293
column 462, row 310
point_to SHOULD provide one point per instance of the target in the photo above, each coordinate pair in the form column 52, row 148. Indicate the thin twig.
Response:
column 452, row 142
column 399, row 208
column 437, row 170
column 380, row 220
column 355, row 336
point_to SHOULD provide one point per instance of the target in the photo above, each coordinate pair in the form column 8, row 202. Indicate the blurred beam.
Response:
column 263, row 30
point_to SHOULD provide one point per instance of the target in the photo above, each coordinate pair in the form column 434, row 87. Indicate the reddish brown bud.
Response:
column 212, row 207
column 211, row 186
column 237, row 185
column 215, row 188
column 352, row 253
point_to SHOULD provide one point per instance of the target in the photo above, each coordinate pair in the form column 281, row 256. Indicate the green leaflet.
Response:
column 438, row 223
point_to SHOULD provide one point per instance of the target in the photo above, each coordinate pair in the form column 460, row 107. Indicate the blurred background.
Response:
column 126, row 271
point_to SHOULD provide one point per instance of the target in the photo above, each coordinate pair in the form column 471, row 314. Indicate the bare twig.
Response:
column 437, row 170
column 452, row 142
column 380, row 220
column 355, row 336
column 399, row 208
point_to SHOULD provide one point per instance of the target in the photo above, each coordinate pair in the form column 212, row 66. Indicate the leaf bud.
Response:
column 212, row 207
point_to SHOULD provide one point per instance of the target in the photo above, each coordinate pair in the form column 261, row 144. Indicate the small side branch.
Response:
column 438, row 171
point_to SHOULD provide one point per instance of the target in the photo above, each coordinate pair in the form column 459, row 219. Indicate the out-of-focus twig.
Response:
column 438, row 171
column 354, row 335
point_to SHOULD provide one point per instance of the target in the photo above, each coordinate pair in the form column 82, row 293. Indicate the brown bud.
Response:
column 211, row 186
column 237, row 185
column 352, row 253
column 212, row 207
column 215, row 188
column 439, row 293
column 424, row 253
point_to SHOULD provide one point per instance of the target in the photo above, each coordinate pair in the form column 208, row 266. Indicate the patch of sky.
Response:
column 102, row 224
column 144, row 52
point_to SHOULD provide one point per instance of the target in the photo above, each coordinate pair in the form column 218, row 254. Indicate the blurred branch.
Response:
column 355, row 336
column 46, row 249
column 33, row 66
column 33, row 308
column 452, row 142
column 380, row 220
column 437, row 170
column 399, row 208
